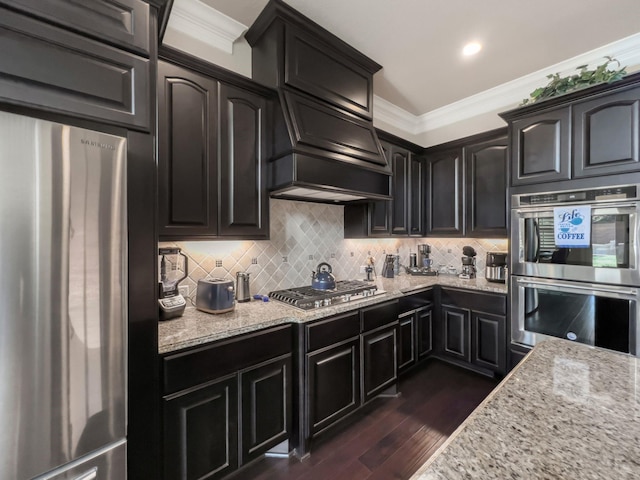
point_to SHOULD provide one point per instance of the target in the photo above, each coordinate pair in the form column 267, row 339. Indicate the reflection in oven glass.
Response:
column 588, row 319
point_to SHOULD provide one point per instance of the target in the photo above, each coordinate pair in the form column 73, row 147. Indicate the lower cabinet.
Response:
column 226, row 403
column 472, row 329
column 379, row 361
column 201, row 431
column 333, row 384
column 348, row 360
column 415, row 329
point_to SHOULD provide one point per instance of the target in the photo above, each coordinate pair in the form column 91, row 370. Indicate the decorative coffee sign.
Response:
column 572, row 226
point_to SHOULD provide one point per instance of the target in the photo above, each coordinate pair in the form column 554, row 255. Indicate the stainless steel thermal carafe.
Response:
column 243, row 293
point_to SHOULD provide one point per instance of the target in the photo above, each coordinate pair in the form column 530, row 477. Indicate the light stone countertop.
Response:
column 196, row 327
column 568, row 411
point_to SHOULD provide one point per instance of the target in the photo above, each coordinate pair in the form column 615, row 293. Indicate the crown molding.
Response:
column 199, row 21
column 505, row 96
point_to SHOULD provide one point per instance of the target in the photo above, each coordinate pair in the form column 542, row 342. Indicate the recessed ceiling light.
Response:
column 471, row 49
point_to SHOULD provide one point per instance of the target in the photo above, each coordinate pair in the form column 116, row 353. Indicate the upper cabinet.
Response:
column 467, row 187
column 444, row 189
column 212, row 149
column 59, row 56
column 589, row 133
column 404, row 214
column 123, row 23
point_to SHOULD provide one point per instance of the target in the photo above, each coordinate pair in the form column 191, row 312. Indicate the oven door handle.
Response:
column 562, row 287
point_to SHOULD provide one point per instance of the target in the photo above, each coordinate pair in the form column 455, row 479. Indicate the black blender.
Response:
column 172, row 303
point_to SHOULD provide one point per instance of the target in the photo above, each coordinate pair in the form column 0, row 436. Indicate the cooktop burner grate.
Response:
column 308, row 298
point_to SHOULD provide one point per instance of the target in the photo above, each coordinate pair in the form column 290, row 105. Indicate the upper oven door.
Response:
column 612, row 257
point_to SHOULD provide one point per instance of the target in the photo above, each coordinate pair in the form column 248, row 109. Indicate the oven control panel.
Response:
column 577, row 196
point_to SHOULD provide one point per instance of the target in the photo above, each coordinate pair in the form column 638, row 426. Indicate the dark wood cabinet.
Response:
column 472, row 329
column 187, row 150
column 244, row 206
column 407, row 341
column 606, row 134
column 456, row 332
column 488, row 346
column 333, row 386
column 486, row 164
column 541, row 147
column 212, row 149
column 445, row 215
column 200, row 432
column 424, row 324
column 227, row 403
column 588, row 133
column 123, row 23
column 379, row 361
column 266, row 407
column 404, row 214
column 49, row 68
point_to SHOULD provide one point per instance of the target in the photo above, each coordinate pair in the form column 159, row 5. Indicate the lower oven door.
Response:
column 595, row 314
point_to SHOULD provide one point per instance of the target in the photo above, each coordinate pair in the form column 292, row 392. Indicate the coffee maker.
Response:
column 468, row 263
column 423, row 262
column 173, row 269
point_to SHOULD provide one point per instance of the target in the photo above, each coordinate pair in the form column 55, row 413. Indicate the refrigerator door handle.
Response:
column 90, row 475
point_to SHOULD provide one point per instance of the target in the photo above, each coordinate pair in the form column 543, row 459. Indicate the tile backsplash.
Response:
column 305, row 234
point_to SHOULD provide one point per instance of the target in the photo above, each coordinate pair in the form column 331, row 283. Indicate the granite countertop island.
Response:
column 568, row 411
column 196, row 327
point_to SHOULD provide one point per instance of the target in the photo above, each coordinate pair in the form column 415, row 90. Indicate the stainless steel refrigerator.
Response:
column 62, row 301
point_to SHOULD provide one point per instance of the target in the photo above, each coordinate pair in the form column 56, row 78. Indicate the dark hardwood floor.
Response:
column 391, row 437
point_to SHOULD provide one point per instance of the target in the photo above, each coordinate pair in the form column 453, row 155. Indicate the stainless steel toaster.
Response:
column 215, row 295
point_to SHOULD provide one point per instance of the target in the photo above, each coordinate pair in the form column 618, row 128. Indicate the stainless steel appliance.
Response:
column 215, row 295
column 613, row 256
column 589, row 294
column 388, row 267
column 174, row 267
column 308, row 298
column 496, row 267
column 62, row 301
column 596, row 314
column 243, row 292
column 424, row 264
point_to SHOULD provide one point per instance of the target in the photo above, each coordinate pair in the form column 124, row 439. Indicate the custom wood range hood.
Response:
column 325, row 146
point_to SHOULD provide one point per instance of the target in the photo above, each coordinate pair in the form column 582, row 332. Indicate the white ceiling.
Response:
column 418, row 42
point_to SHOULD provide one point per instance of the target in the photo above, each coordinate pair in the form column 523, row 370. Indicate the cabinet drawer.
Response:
column 332, row 330
column 415, row 301
column 478, row 301
column 379, row 315
column 193, row 367
column 49, row 68
column 124, row 23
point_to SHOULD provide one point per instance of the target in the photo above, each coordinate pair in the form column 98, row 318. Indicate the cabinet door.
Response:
column 400, row 190
column 486, row 203
column 49, row 68
column 201, row 432
column 489, row 341
column 124, row 23
column 266, row 407
column 541, row 147
column 243, row 202
column 456, row 333
column 416, row 197
column 380, row 367
column 606, row 133
column 406, row 341
column 333, row 384
column 424, row 321
column 187, row 150
column 380, row 219
column 445, row 195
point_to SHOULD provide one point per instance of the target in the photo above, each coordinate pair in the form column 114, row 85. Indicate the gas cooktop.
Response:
column 307, row 298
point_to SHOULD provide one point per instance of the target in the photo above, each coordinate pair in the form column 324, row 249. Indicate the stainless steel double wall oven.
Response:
column 588, row 295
